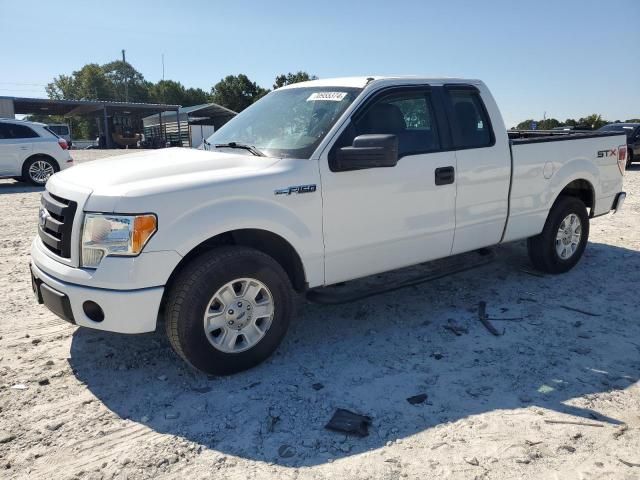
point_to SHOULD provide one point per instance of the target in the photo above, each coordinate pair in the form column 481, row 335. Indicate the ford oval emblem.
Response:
column 43, row 216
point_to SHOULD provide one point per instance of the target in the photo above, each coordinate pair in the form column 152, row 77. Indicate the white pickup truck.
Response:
column 315, row 184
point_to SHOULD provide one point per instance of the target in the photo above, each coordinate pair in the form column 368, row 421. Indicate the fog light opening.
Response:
column 93, row 311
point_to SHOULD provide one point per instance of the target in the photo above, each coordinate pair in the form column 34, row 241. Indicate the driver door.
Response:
column 380, row 219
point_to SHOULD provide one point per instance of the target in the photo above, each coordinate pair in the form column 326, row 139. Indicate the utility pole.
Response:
column 163, row 96
column 126, row 80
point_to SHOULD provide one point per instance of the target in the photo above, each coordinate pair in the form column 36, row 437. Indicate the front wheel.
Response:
column 37, row 170
column 229, row 309
column 562, row 242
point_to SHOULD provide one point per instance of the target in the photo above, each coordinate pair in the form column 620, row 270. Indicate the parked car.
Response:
column 31, row 152
column 632, row 131
column 62, row 130
column 315, row 184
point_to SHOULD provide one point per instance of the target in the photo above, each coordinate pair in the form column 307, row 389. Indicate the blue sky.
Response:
column 566, row 58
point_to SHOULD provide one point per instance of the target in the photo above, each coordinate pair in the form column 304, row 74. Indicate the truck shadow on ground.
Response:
column 370, row 356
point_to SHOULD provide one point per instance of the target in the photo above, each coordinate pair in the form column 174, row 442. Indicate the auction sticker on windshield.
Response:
column 327, row 96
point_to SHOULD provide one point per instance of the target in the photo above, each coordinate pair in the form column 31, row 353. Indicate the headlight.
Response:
column 123, row 235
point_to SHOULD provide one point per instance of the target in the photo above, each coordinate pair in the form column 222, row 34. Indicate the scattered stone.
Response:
column 482, row 391
column 49, row 363
column 417, row 399
column 317, row 386
column 472, row 461
column 36, row 341
column 437, row 355
column 145, row 419
column 568, row 448
column 620, row 431
column 349, row 422
column 172, row 415
column 526, row 460
column 6, row 437
column 53, row 426
column 19, row 386
column 163, row 378
column 173, row 458
column 43, row 381
column 204, row 389
column 580, row 350
column 286, row 451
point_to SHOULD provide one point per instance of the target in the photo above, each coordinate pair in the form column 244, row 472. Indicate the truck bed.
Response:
column 544, row 163
column 519, row 137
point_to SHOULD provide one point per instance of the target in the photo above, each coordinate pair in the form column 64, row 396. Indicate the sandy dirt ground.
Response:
column 77, row 403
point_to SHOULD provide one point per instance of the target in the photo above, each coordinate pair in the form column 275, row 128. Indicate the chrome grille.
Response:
column 55, row 223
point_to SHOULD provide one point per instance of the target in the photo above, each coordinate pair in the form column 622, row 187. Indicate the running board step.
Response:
column 394, row 280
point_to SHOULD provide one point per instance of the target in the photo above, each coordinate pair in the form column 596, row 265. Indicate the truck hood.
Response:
column 153, row 172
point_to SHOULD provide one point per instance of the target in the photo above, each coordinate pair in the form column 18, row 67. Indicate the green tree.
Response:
column 88, row 83
column 594, row 121
column 289, row 78
column 174, row 93
column 526, row 125
column 128, row 84
column 236, row 92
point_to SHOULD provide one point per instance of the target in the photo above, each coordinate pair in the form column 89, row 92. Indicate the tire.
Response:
column 543, row 248
column 196, row 290
column 629, row 159
column 38, row 169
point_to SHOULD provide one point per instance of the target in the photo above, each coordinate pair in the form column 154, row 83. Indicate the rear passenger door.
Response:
column 16, row 144
column 484, row 169
column 379, row 219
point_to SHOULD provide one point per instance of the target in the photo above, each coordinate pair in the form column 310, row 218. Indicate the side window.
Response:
column 407, row 114
column 4, row 131
column 12, row 130
column 471, row 127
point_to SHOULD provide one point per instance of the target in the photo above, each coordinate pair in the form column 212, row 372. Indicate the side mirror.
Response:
column 369, row 151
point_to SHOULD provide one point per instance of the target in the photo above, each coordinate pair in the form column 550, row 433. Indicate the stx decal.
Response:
column 607, row 153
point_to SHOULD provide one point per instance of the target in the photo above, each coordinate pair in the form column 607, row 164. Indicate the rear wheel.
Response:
column 229, row 309
column 562, row 242
column 37, row 170
column 629, row 158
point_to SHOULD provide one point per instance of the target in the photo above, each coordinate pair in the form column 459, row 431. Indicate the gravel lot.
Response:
column 77, row 403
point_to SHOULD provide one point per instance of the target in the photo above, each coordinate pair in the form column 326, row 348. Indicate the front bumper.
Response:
column 125, row 311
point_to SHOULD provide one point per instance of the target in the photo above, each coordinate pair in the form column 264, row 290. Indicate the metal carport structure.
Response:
column 88, row 108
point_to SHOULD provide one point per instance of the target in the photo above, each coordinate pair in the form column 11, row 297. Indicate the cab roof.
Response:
column 361, row 82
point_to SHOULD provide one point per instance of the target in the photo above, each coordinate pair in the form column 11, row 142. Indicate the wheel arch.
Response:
column 272, row 244
column 39, row 155
column 583, row 190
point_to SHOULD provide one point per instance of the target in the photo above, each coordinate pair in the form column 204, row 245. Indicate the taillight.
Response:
column 63, row 143
column 622, row 158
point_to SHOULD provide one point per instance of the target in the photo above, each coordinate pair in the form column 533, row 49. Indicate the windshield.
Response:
column 288, row 123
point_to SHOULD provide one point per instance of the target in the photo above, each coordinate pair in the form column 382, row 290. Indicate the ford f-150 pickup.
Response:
column 315, row 184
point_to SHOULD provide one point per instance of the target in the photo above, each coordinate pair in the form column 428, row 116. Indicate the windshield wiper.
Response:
column 243, row 146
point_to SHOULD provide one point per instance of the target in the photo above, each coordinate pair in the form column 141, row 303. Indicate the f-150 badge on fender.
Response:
column 296, row 189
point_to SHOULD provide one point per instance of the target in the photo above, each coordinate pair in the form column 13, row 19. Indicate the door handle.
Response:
column 445, row 175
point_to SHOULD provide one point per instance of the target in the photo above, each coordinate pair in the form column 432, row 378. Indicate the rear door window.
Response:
column 15, row 131
column 470, row 123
